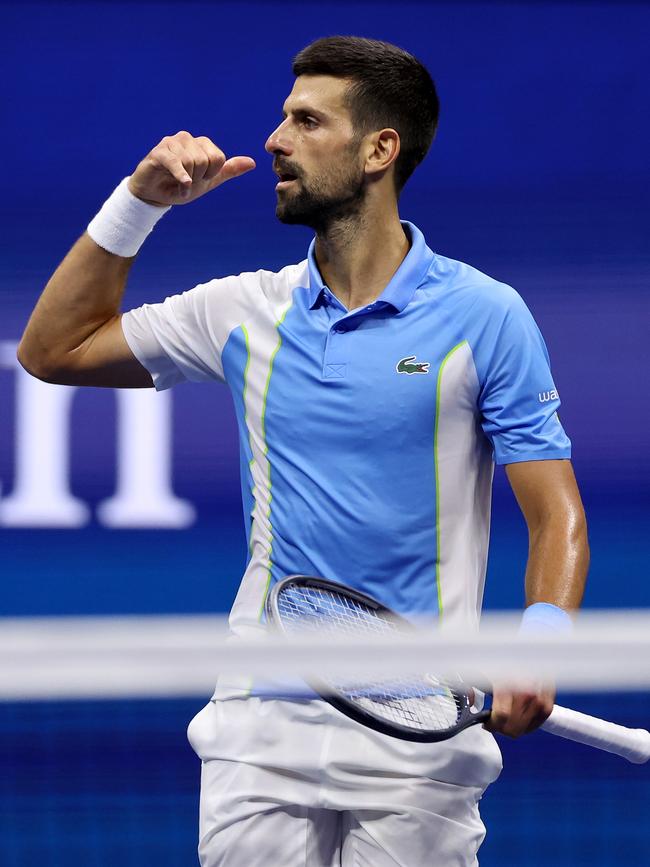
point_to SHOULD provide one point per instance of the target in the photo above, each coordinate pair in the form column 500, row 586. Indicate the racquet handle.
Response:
column 631, row 744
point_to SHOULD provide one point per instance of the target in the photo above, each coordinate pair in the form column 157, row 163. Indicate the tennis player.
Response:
column 375, row 383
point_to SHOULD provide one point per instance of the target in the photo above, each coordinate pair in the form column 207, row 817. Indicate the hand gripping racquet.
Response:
column 419, row 707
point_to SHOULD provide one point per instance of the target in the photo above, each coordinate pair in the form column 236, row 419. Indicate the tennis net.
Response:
column 96, row 769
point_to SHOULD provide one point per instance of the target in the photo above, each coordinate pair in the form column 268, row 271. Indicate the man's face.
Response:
column 316, row 155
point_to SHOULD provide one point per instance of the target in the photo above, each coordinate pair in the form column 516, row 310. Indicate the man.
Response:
column 374, row 383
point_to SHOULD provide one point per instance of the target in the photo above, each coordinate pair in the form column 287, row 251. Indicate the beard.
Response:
column 324, row 200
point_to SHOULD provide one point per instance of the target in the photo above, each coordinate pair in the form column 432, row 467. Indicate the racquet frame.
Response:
column 631, row 744
column 466, row 715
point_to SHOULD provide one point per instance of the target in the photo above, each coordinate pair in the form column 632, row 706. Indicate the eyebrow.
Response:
column 303, row 111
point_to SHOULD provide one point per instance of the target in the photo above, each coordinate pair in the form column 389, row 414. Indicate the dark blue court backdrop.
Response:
column 539, row 176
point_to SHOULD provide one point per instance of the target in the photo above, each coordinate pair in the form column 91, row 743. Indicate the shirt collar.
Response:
column 404, row 281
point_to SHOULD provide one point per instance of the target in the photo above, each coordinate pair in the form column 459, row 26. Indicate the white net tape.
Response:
column 48, row 658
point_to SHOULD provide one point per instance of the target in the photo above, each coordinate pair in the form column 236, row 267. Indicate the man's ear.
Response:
column 382, row 150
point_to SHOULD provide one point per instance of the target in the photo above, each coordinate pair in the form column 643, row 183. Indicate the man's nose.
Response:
column 278, row 141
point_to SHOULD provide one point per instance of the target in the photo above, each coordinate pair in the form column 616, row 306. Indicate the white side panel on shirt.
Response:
column 263, row 343
column 465, row 471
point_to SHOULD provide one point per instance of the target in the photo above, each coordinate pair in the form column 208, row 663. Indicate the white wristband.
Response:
column 124, row 222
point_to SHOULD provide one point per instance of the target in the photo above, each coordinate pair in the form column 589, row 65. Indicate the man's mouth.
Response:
column 286, row 178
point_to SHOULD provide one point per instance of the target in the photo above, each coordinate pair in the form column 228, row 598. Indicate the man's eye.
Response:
column 310, row 122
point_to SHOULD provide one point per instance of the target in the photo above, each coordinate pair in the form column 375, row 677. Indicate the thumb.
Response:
column 233, row 168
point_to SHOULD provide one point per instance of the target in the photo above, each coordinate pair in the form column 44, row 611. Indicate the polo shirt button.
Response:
column 340, row 329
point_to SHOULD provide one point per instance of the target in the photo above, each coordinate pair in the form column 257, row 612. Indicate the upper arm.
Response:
column 153, row 345
column 104, row 358
column 558, row 557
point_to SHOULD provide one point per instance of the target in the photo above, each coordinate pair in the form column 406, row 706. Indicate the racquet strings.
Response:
column 420, row 701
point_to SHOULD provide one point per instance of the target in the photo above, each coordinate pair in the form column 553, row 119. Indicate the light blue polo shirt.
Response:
column 367, row 437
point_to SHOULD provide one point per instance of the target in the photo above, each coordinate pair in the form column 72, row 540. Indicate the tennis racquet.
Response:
column 419, row 707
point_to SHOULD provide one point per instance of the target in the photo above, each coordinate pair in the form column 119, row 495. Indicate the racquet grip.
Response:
column 631, row 744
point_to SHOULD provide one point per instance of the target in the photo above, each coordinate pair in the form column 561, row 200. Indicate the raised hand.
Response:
column 181, row 168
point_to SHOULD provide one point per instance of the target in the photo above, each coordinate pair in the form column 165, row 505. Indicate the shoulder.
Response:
column 276, row 286
column 214, row 308
column 465, row 287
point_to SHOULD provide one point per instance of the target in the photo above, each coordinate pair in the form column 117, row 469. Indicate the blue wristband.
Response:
column 543, row 617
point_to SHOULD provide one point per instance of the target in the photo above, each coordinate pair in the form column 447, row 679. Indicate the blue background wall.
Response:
column 539, row 176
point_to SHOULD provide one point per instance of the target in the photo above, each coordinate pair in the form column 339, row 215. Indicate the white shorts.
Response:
column 298, row 784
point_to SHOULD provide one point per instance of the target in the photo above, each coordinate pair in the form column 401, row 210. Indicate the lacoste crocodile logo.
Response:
column 410, row 365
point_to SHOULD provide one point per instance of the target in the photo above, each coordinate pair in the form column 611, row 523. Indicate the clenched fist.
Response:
column 519, row 711
column 181, row 168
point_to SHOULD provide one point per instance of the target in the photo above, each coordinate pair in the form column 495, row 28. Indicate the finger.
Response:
column 201, row 162
column 541, row 711
column 216, row 157
column 511, row 713
column 233, row 168
column 500, row 713
column 528, row 712
column 184, row 156
column 172, row 163
column 522, row 716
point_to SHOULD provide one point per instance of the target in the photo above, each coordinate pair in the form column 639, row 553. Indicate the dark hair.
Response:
column 390, row 88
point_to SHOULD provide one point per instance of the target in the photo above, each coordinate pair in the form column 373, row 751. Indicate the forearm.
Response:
column 558, row 551
column 83, row 294
column 558, row 559
column 556, row 572
column 74, row 336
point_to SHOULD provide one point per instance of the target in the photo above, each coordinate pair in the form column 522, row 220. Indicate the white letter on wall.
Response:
column 143, row 496
column 41, row 495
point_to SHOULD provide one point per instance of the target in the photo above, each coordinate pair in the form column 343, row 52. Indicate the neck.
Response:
column 358, row 256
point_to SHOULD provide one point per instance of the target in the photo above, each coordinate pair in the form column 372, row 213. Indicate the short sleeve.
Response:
column 172, row 339
column 183, row 338
column 518, row 400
